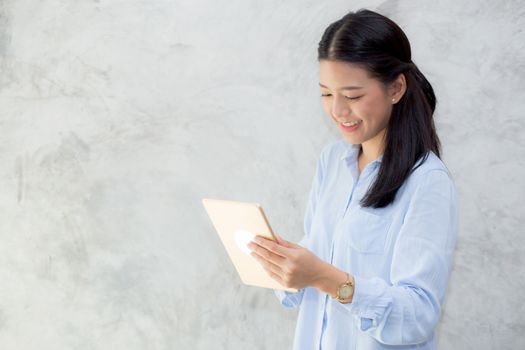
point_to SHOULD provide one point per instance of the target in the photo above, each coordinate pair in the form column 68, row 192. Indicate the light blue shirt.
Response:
column 400, row 255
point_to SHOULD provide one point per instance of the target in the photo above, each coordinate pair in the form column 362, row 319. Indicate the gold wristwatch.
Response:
column 345, row 291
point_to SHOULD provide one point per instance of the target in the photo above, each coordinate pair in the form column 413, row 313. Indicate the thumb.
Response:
column 284, row 242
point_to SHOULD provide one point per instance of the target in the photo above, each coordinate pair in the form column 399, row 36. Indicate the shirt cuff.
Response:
column 289, row 300
column 370, row 302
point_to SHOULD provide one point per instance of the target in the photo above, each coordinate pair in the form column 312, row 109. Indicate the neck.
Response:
column 372, row 149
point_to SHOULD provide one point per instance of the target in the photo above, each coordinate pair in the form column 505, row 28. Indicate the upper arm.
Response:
column 422, row 253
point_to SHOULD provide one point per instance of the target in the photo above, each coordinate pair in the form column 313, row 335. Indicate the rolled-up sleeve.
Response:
column 407, row 310
column 291, row 299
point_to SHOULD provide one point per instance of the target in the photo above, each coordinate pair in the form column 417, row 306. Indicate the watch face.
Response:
column 346, row 291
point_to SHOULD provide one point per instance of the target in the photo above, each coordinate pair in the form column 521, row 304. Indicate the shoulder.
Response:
column 431, row 172
column 430, row 163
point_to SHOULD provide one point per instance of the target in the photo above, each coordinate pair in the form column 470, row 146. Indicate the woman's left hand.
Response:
column 290, row 264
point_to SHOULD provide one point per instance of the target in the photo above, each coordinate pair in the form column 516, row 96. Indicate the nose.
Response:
column 340, row 108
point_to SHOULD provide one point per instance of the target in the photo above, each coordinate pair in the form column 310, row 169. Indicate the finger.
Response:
column 273, row 270
column 266, row 264
column 280, row 240
column 272, row 246
column 277, row 278
column 284, row 242
column 266, row 254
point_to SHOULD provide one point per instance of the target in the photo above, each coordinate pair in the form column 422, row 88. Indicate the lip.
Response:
column 350, row 128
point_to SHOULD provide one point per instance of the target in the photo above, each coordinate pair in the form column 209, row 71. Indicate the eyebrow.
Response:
column 344, row 87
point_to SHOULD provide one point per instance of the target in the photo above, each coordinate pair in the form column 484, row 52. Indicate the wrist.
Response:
column 330, row 278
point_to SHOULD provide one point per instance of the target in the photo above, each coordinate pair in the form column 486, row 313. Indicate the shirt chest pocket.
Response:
column 367, row 232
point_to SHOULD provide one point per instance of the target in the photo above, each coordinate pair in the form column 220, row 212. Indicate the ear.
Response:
column 398, row 87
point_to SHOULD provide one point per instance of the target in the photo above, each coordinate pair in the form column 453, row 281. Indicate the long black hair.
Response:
column 372, row 41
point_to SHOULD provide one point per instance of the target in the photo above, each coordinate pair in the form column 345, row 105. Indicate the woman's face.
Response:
column 349, row 95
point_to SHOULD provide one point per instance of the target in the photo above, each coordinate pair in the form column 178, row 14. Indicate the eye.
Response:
column 347, row 97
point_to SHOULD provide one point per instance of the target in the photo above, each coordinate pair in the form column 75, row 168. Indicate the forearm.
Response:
column 330, row 278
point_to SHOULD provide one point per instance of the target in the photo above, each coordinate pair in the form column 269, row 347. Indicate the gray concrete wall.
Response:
column 117, row 117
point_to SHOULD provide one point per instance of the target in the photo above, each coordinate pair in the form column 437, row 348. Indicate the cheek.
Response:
column 365, row 110
column 374, row 111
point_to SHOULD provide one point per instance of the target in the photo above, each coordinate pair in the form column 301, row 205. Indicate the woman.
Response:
column 382, row 217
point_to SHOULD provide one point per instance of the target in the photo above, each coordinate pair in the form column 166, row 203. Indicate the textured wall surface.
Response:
column 117, row 117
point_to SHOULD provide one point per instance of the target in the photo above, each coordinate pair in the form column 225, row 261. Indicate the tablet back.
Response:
column 236, row 223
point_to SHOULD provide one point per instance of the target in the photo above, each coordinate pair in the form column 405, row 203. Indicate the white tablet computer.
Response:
column 236, row 223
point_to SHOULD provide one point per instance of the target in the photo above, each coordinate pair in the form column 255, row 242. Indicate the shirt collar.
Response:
column 351, row 151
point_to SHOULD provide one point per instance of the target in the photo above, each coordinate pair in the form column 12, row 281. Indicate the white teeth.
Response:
column 351, row 123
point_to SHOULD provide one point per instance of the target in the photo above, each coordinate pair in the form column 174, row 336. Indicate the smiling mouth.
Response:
column 351, row 123
column 350, row 128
